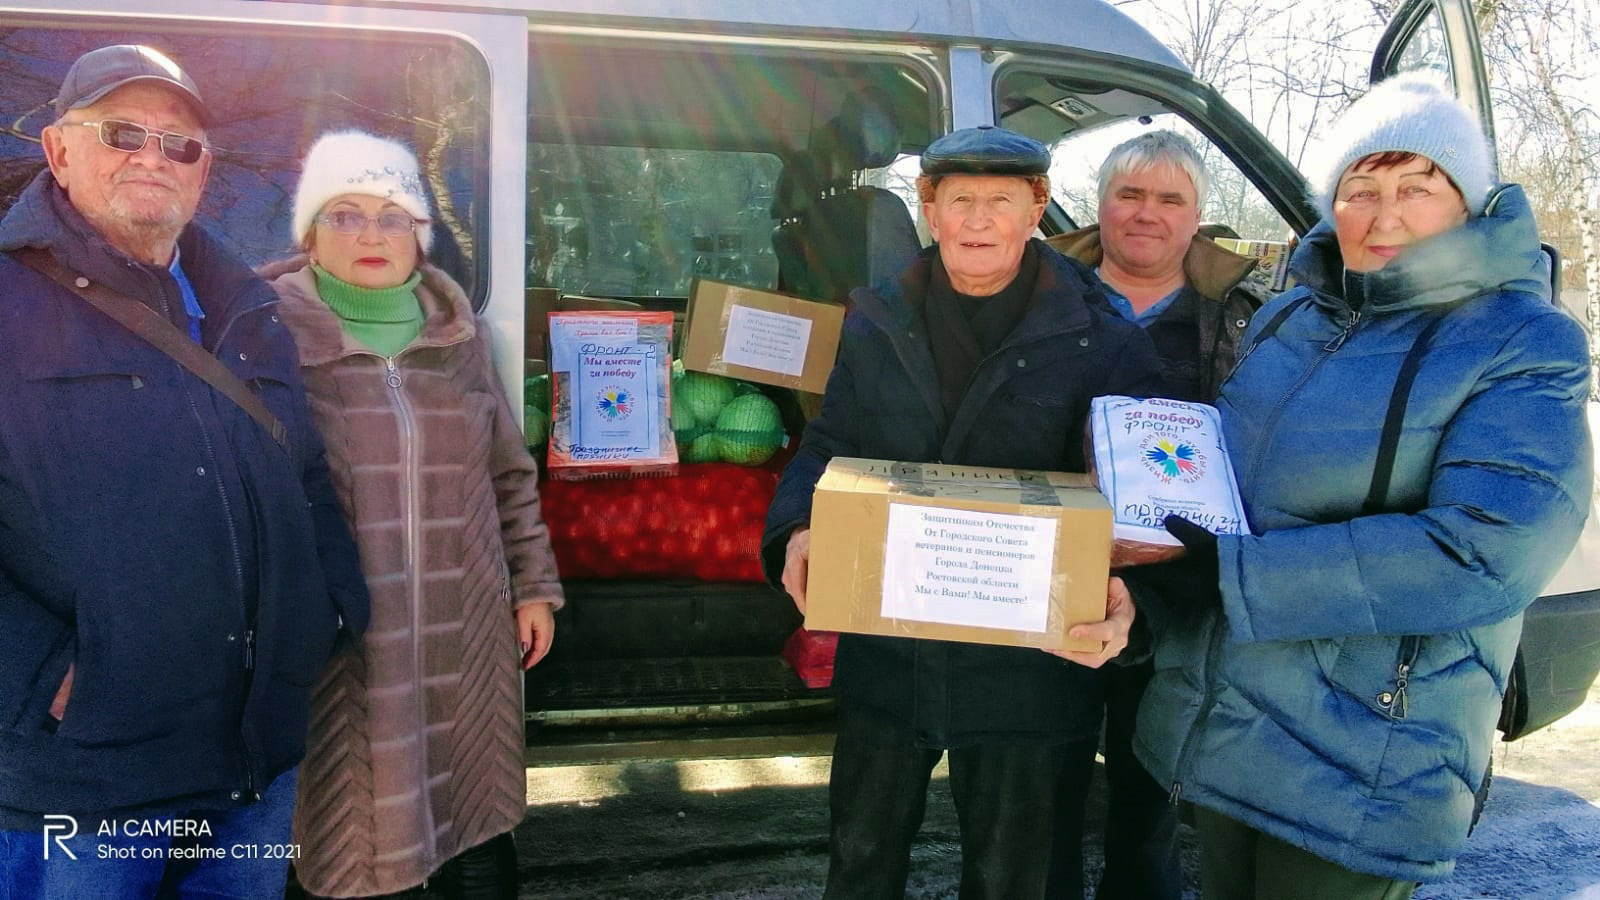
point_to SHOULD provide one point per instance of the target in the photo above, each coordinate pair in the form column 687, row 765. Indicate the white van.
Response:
column 619, row 148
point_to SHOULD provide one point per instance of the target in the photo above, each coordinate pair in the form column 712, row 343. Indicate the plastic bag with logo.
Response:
column 609, row 377
column 1154, row 458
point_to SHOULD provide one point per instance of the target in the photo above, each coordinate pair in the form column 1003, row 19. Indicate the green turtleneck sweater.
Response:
column 385, row 319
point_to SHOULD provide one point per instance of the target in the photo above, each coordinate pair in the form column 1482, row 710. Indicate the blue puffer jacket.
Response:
column 1347, row 701
column 154, row 536
column 1024, row 408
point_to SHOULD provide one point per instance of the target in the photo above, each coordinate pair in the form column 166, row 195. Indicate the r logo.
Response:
column 60, row 829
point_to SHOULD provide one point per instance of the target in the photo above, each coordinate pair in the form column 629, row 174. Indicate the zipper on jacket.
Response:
column 1213, row 649
column 1343, row 335
column 1271, row 425
column 252, row 792
column 216, row 476
column 411, row 471
column 238, row 570
column 1398, row 701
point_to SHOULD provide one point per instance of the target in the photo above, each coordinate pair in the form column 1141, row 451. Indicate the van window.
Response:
column 900, row 178
column 271, row 92
column 1232, row 202
column 1425, row 51
column 1082, row 121
column 653, row 162
column 634, row 221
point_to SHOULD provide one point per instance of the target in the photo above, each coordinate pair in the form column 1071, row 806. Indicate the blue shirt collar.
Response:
column 191, row 303
column 1124, row 308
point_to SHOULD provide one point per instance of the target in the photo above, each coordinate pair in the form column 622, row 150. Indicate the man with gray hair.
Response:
column 1191, row 297
column 174, row 565
column 1189, row 294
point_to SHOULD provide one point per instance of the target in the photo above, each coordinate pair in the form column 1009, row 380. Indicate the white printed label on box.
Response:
column 766, row 340
column 955, row 567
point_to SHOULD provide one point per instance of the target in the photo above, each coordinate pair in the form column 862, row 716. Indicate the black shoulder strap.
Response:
column 1274, row 323
column 159, row 333
column 1394, row 419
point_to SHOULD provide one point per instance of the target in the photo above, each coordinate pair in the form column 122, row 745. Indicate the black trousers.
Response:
column 1012, row 800
column 1238, row 862
column 1141, row 845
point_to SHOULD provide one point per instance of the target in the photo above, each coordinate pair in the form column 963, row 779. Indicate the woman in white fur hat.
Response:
column 1407, row 425
column 413, row 769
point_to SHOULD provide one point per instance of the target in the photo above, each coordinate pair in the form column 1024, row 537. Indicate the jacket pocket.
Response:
column 1041, row 430
column 132, row 684
column 1040, row 401
column 303, row 641
column 1376, row 670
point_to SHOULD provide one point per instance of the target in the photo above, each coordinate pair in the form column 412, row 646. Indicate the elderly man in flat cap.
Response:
column 985, row 352
column 174, row 566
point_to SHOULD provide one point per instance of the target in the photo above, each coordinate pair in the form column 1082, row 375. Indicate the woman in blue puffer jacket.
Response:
column 1326, row 689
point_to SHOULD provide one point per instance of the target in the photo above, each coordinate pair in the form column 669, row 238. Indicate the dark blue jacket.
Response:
column 154, row 536
column 1025, row 408
column 1345, row 699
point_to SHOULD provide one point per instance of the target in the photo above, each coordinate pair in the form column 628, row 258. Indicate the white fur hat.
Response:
column 1413, row 113
column 354, row 162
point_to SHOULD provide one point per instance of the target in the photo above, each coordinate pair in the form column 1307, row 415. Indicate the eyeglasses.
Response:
column 348, row 221
column 131, row 138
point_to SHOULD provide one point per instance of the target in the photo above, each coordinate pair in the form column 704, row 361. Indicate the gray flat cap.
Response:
column 985, row 150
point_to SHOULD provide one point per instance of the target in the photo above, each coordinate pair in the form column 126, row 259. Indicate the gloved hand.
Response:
column 1191, row 583
column 1200, row 548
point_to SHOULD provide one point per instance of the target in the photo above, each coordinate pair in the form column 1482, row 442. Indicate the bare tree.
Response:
column 1292, row 66
column 1542, row 55
column 1288, row 66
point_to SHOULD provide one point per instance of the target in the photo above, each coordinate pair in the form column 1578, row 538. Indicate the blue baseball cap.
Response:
column 99, row 72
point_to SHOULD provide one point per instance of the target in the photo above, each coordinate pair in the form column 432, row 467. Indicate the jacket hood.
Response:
column 448, row 316
column 1498, row 250
column 1212, row 270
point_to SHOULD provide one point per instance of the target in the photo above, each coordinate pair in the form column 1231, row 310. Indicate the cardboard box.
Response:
column 1274, row 256
column 760, row 336
column 957, row 553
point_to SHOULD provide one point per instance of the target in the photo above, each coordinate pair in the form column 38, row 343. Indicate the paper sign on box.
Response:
column 958, row 553
column 760, row 336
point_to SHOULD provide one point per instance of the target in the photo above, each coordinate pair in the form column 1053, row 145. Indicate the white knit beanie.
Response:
column 1412, row 113
column 354, row 162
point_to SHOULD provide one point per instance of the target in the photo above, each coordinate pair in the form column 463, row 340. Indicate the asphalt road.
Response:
column 746, row 829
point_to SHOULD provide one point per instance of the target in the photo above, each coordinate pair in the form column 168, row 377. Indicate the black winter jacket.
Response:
column 154, row 536
column 1025, row 408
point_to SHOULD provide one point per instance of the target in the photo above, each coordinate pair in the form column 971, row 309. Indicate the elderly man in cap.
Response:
column 1192, row 297
column 174, row 567
column 985, row 351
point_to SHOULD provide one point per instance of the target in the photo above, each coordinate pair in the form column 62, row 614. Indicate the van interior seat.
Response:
column 859, row 234
column 793, row 196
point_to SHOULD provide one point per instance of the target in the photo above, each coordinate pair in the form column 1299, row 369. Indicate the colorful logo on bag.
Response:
column 614, row 403
column 1170, row 459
